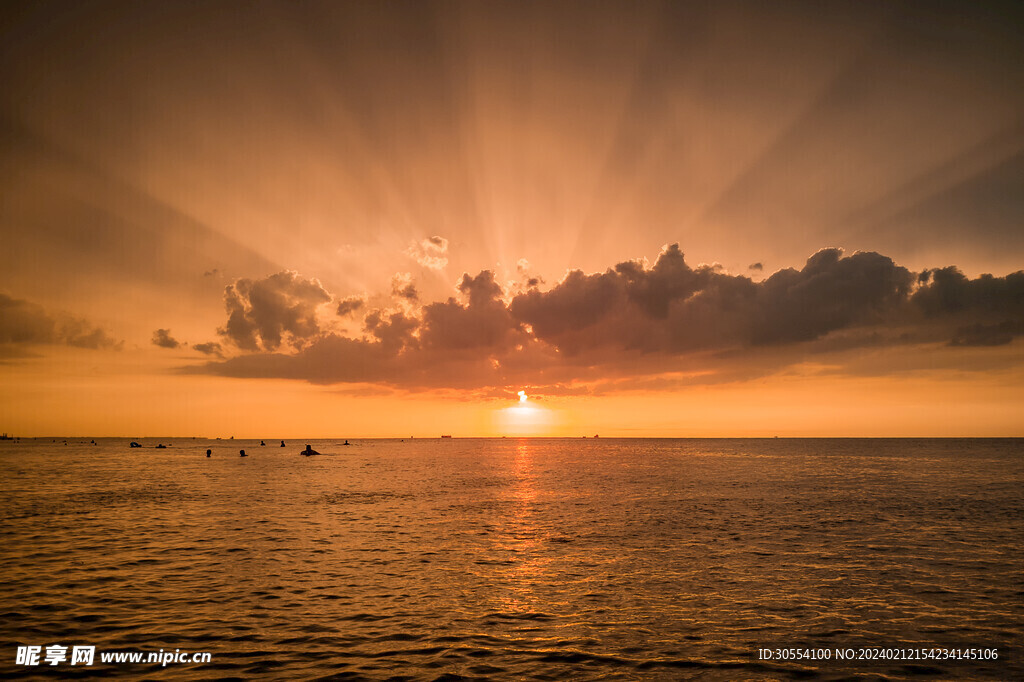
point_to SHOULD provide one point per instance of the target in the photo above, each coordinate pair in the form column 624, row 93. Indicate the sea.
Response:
column 513, row 559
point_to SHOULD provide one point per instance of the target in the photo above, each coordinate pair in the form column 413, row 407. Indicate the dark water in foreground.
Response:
column 516, row 559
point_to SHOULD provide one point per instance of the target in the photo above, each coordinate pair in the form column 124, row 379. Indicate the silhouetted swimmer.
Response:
column 309, row 451
column 262, row 443
column 282, row 444
column 208, row 451
column 346, row 443
column 241, row 453
column 161, row 446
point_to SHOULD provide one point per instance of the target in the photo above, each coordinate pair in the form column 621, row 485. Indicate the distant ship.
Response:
column 445, row 436
column 6, row 437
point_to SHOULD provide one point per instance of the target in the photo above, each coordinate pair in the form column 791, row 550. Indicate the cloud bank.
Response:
column 24, row 324
column 630, row 324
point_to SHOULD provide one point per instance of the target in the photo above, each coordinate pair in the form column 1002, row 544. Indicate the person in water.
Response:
column 309, row 451
column 241, row 453
column 208, row 451
column 282, row 444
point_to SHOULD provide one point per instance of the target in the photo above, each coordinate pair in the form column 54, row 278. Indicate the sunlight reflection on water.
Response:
column 510, row 558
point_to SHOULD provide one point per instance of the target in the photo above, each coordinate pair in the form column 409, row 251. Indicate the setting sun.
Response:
column 526, row 418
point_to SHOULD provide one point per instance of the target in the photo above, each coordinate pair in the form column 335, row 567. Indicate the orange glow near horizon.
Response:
column 526, row 420
column 115, row 401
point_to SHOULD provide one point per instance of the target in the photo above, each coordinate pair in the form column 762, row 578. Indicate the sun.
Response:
column 524, row 418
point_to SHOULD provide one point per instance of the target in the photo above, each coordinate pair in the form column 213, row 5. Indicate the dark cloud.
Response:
column 685, row 325
column 673, row 308
column 347, row 306
column 24, row 322
column 163, row 338
column 393, row 331
column 403, row 287
column 483, row 323
column 81, row 334
column 330, row 359
column 576, row 304
column 990, row 309
column 829, row 293
column 979, row 334
column 262, row 313
column 210, row 348
column 947, row 290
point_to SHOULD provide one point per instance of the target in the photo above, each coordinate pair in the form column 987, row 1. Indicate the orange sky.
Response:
column 231, row 173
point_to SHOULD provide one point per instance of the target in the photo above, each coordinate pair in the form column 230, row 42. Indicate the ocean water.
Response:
column 516, row 559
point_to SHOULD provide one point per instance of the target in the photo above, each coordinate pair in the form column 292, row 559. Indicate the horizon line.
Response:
column 13, row 437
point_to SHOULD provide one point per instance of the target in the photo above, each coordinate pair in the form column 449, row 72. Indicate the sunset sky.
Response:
column 387, row 219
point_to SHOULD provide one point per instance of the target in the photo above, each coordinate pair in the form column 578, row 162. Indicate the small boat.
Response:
column 445, row 436
column 133, row 444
